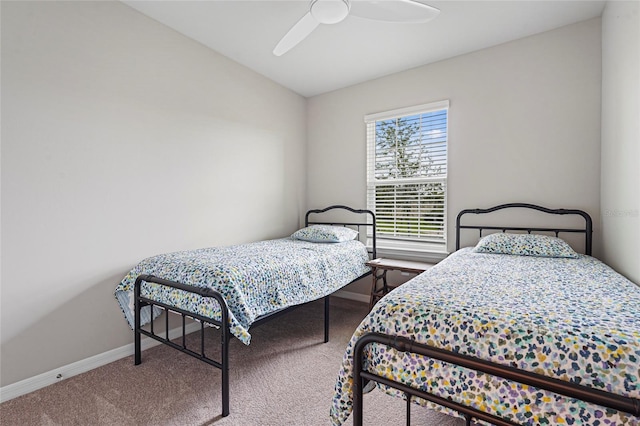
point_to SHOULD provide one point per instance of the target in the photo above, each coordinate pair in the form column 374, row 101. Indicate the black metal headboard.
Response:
column 588, row 229
column 358, row 224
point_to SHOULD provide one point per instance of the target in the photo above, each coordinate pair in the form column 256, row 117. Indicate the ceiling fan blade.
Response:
column 296, row 34
column 394, row 10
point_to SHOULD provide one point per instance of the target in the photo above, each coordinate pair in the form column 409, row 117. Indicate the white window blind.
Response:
column 407, row 176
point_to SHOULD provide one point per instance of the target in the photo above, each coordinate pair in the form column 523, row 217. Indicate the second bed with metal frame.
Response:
column 400, row 343
column 223, row 325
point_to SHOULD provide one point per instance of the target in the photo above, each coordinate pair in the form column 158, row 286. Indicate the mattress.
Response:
column 255, row 279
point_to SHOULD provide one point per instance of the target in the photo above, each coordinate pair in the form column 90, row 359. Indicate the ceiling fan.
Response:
column 334, row 11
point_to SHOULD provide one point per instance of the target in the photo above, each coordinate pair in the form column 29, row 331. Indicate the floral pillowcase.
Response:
column 325, row 234
column 525, row 245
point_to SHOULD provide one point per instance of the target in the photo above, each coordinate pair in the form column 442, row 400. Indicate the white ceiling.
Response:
column 356, row 50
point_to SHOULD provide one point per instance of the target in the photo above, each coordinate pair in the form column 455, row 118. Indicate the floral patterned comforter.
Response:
column 574, row 319
column 255, row 279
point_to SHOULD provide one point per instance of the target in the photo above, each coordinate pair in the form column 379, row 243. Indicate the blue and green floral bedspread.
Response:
column 573, row 319
column 255, row 279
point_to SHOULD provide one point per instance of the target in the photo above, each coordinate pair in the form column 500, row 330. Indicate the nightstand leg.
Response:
column 374, row 281
column 385, row 287
column 376, row 292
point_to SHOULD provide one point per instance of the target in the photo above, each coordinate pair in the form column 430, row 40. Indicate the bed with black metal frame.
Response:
column 366, row 371
column 312, row 217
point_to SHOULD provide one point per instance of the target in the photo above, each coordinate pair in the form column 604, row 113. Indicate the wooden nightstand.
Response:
column 380, row 266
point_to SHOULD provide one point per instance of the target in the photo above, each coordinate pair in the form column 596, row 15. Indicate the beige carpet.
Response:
column 285, row 377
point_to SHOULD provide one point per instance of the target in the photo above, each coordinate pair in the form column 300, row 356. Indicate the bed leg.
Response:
column 408, row 409
column 326, row 319
column 138, row 352
column 357, row 391
column 136, row 325
column 226, row 337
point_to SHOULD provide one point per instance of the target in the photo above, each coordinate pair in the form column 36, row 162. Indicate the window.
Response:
column 407, row 177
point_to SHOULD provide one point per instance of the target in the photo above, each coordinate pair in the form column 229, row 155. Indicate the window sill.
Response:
column 410, row 250
column 420, row 256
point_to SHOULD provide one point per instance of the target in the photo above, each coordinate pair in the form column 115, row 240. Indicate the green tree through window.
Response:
column 407, row 175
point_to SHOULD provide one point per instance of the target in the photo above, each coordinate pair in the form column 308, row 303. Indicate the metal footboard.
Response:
column 223, row 324
column 571, row 390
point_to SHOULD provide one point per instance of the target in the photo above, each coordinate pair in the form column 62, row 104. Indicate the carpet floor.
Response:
column 285, row 377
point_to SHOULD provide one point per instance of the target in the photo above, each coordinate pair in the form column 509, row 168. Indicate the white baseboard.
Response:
column 50, row 377
column 359, row 297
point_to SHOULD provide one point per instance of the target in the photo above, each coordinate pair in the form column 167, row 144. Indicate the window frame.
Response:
column 409, row 248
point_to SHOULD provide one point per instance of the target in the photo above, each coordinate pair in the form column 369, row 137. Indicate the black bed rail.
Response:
column 268, row 317
column 366, row 224
column 571, row 390
column 223, row 324
column 587, row 230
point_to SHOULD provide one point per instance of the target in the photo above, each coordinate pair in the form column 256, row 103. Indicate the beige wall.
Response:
column 524, row 125
column 122, row 139
column 105, row 112
column 620, row 180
